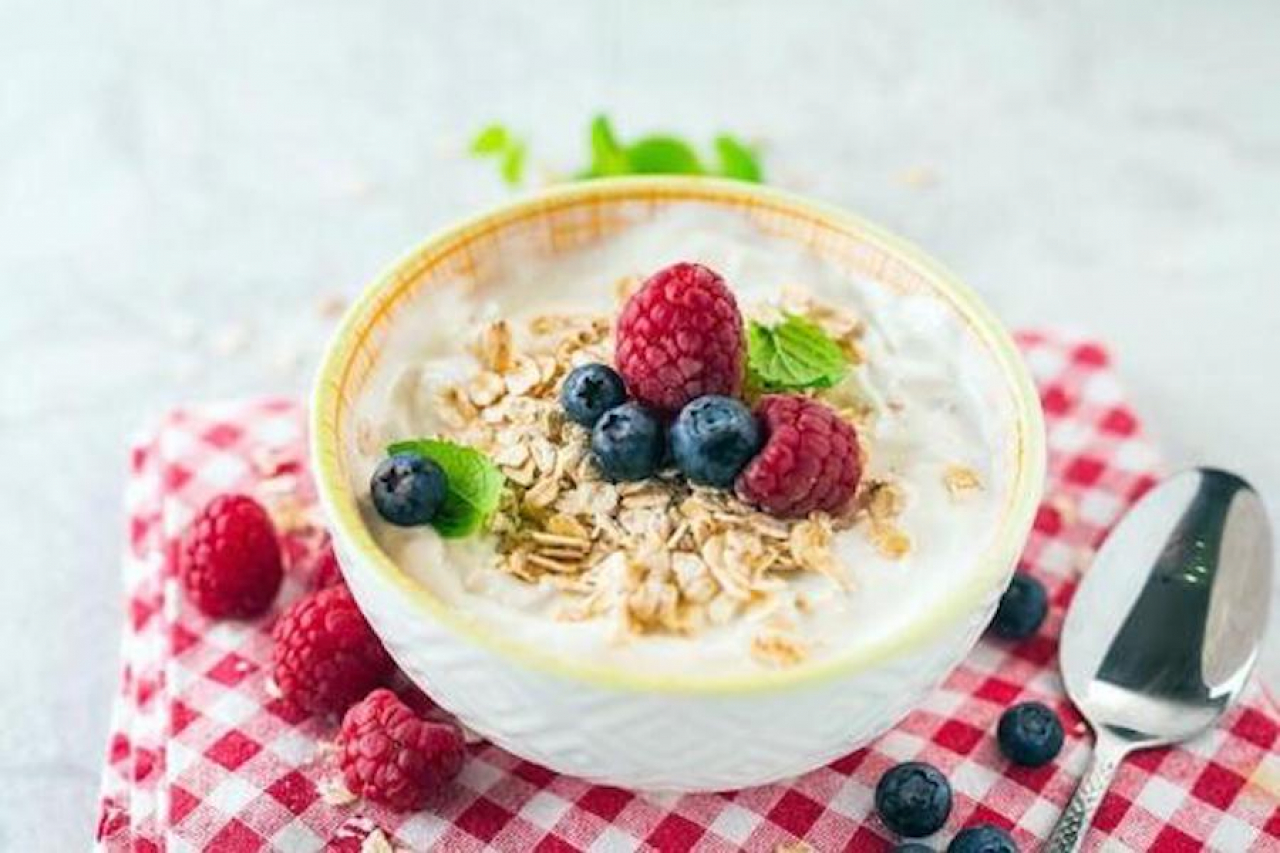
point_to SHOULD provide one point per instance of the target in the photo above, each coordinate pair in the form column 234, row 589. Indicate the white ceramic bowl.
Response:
column 666, row 731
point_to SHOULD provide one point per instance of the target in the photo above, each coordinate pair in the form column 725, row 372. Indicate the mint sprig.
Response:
column 793, row 355
column 497, row 142
column 738, row 160
column 607, row 155
column 475, row 484
column 653, row 154
column 665, row 154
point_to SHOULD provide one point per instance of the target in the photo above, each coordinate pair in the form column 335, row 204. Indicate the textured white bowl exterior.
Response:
column 653, row 741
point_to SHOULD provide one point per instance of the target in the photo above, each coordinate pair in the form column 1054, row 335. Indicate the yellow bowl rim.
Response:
column 995, row 564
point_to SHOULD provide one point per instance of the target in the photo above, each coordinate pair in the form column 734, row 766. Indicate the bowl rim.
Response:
column 996, row 563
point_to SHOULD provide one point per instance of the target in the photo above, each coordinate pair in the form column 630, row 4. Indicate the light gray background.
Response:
column 181, row 185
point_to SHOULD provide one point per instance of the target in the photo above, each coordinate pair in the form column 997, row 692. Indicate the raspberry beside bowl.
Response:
column 662, row 730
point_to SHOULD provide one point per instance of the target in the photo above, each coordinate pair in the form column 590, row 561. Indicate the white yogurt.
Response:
column 936, row 390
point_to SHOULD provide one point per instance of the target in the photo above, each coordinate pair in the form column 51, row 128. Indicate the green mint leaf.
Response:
column 492, row 139
column 475, row 484
column 607, row 156
column 497, row 142
column 513, row 164
column 793, row 354
column 663, row 155
column 738, row 160
column 656, row 154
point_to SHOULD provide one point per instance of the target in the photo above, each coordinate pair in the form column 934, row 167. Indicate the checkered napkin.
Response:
column 202, row 756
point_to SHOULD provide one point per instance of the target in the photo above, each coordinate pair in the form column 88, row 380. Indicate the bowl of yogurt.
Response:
column 657, row 634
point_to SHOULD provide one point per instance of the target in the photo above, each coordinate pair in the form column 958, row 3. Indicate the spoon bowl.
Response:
column 1166, row 626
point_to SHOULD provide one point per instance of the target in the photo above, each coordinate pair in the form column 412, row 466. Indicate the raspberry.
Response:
column 680, row 337
column 229, row 558
column 326, row 656
column 809, row 460
column 327, row 573
column 390, row 756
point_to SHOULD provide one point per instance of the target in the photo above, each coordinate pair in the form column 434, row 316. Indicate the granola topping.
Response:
column 657, row 556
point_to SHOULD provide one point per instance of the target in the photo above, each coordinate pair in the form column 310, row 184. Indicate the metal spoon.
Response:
column 1166, row 625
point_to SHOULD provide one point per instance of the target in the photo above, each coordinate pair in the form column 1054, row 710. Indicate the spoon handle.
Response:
column 1070, row 830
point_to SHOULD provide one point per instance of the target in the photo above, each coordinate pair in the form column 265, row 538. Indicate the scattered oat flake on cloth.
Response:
column 202, row 755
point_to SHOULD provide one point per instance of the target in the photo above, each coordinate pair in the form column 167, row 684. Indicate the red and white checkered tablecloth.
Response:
column 202, row 757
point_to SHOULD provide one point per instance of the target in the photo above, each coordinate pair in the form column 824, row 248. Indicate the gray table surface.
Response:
column 184, row 185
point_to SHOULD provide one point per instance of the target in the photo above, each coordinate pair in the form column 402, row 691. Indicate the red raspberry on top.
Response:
column 680, row 336
column 809, row 461
column 229, row 558
column 326, row 656
column 390, row 756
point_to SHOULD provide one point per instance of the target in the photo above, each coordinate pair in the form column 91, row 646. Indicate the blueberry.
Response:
column 1022, row 608
column 1030, row 734
column 408, row 489
column 983, row 838
column 628, row 443
column 713, row 439
column 913, row 799
column 913, row 847
column 591, row 390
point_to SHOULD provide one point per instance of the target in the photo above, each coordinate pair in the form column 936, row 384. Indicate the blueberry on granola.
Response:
column 913, row 799
column 713, row 439
column 628, row 443
column 589, row 391
column 1022, row 608
column 408, row 489
column 983, row 838
column 1030, row 734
